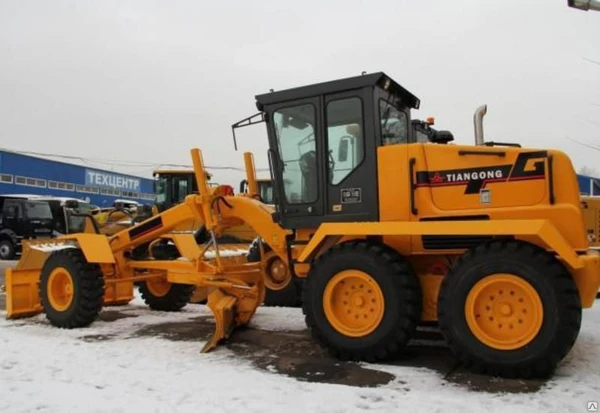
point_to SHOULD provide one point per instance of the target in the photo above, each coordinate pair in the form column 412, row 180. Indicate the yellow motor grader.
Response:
column 486, row 240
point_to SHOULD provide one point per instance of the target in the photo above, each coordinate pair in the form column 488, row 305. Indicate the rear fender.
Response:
column 538, row 232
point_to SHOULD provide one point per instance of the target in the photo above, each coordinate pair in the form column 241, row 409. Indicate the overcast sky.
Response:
column 148, row 80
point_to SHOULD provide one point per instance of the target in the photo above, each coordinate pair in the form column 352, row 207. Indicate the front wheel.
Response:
column 71, row 289
column 509, row 309
column 7, row 250
column 362, row 301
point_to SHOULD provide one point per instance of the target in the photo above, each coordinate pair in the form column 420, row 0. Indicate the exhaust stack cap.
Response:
column 478, row 123
column 585, row 4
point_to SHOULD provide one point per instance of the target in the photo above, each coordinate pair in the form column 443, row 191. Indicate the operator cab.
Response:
column 172, row 186
column 323, row 141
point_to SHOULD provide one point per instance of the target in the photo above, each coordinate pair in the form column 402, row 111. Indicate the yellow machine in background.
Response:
column 487, row 241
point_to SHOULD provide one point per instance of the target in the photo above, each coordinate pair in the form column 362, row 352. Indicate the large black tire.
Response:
column 88, row 289
column 7, row 249
column 402, row 301
column 290, row 296
column 175, row 299
column 561, row 310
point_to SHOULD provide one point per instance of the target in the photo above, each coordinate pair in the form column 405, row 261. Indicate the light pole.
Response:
column 585, row 4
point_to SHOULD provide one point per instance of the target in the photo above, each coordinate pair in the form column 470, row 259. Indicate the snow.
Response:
column 46, row 369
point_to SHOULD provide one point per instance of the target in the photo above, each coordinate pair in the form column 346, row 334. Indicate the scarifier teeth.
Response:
column 222, row 306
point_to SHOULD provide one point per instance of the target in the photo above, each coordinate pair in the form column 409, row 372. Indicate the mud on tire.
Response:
column 402, row 301
column 88, row 289
column 557, row 291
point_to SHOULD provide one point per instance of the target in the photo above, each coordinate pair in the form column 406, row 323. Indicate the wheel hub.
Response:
column 158, row 287
column 60, row 289
column 353, row 303
column 277, row 275
column 504, row 311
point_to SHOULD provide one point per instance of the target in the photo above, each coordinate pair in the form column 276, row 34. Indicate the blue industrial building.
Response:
column 588, row 185
column 23, row 174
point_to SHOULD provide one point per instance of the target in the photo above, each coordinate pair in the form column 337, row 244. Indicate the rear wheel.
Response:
column 281, row 288
column 7, row 249
column 71, row 289
column 161, row 295
column 509, row 309
column 362, row 301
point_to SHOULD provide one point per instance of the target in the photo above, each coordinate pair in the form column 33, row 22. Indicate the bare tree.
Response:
column 588, row 171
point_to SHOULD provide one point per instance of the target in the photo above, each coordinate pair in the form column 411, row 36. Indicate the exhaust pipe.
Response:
column 478, row 123
column 585, row 4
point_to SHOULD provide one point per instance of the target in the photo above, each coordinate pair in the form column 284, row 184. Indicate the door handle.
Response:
column 413, row 186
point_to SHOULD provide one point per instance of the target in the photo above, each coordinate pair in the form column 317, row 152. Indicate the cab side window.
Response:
column 345, row 138
column 295, row 128
column 10, row 209
column 394, row 124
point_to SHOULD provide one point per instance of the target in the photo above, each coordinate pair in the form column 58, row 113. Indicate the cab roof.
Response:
column 178, row 172
column 373, row 79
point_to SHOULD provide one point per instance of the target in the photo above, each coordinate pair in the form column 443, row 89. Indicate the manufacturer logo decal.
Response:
column 528, row 166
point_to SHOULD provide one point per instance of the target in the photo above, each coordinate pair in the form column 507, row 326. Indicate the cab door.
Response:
column 295, row 154
column 350, row 157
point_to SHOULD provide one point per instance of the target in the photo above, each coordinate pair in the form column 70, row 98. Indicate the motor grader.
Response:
column 487, row 241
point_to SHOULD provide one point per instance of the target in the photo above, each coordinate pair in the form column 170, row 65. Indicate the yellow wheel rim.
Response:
column 60, row 289
column 353, row 303
column 504, row 311
column 276, row 273
column 158, row 287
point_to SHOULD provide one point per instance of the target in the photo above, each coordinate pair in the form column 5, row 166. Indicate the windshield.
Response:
column 37, row 210
column 294, row 127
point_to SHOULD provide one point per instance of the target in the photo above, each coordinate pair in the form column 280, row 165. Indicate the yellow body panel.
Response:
column 591, row 217
column 510, row 197
column 95, row 247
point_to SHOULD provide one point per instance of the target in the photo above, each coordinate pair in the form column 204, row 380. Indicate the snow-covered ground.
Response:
column 44, row 369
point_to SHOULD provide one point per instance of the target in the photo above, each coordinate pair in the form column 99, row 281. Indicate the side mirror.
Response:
column 243, row 186
column 343, row 150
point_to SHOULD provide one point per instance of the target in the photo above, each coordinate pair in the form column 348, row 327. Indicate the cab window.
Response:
column 393, row 123
column 295, row 132
column 344, row 138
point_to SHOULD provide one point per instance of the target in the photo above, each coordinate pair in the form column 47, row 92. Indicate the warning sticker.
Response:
column 351, row 196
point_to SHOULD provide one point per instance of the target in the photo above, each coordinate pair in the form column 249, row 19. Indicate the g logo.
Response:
column 530, row 164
